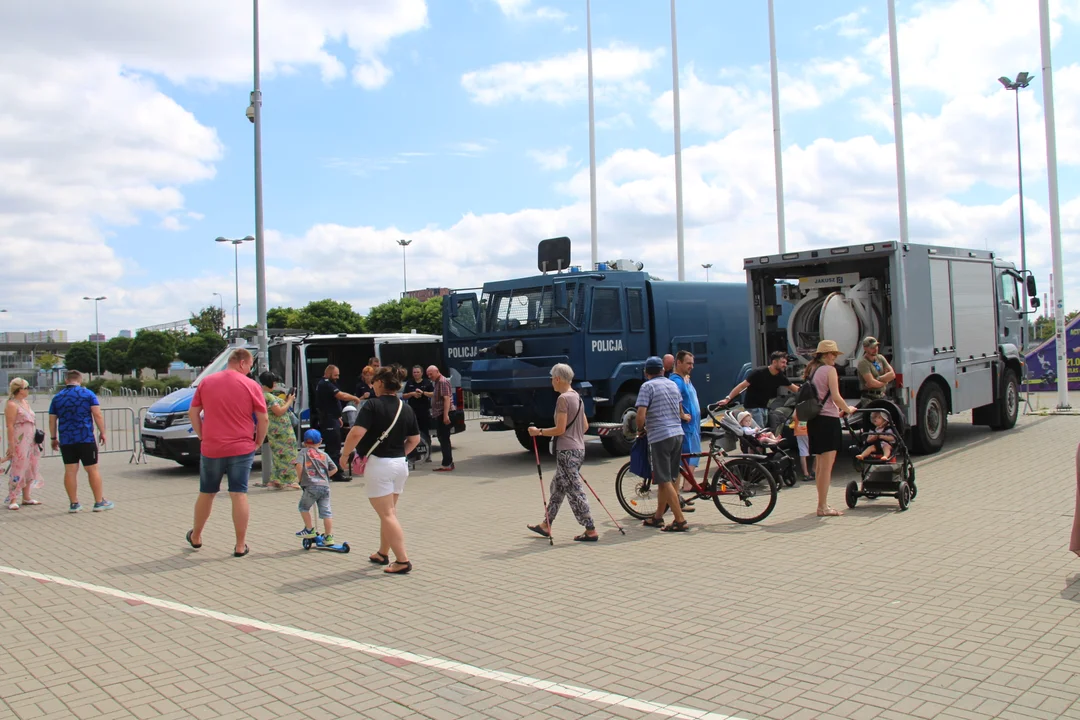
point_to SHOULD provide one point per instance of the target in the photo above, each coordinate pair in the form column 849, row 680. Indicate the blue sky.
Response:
column 465, row 129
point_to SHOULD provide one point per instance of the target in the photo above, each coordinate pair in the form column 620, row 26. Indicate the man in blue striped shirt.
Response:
column 659, row 415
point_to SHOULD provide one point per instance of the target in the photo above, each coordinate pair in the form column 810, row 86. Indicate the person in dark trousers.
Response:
column 328, row 399
column 440, row 415
column 659, row 416
column 761, row 387
column 419, row 391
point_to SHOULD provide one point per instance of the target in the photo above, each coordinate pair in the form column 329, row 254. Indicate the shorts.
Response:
column 804, row 445
column 316, row 495
column 84, row 452
column 825, row 433
column 666, row 459
column 237, row 467
column 385, row 476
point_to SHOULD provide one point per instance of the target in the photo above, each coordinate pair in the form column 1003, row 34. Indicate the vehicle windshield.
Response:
column 526, row 309
column 220, row 362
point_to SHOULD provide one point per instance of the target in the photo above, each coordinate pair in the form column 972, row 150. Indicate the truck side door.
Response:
column 605, row 341
column 1010, row 317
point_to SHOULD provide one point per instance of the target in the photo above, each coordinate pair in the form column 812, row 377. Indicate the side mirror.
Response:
column 561, row 298
column 1035, row 303
column 1031, row 290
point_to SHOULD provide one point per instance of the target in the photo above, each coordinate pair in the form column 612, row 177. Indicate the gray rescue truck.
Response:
column 949, row 320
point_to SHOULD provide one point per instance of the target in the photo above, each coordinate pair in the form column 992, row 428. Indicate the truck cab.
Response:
column 604, row 324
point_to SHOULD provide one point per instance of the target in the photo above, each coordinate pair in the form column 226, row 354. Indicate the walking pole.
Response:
column 543, row 493
column 601, row 503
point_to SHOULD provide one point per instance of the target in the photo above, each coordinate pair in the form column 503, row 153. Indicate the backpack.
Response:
column 807, row 403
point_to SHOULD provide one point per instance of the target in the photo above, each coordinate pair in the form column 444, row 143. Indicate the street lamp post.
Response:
column 706, row 266
column 236, row 262
column 221, row 304
column 1022, row 81
column 404, row 268
column 97, row 332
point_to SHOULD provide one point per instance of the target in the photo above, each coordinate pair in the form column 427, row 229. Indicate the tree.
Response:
column 47, row 361
column 211, row 319
column 152, row 349
column 425, row 317
column 328, row 317
column 114, row 356
column 200, row 349
column 283, row 317
column 81, row 356
column 386, row 318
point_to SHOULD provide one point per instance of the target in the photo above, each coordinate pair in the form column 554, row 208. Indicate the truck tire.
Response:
column 1008, row 401
column 523, row 437
column 618, row 443
column 932, row 420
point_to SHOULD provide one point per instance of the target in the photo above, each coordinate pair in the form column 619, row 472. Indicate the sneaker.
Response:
column 328, row 539
column 103, row 505
column 74, row 507
column 307, row 533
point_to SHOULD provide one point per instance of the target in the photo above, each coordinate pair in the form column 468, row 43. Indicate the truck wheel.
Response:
column 1008, row 401
column 618, row 442
column 932, row 417
column 526, row 441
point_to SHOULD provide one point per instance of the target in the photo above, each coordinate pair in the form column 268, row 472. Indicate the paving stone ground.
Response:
column 966, row 606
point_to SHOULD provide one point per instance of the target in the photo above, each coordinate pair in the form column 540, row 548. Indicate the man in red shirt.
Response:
column 228, row 413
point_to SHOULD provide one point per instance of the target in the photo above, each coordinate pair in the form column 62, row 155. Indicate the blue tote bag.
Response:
column 639, row 458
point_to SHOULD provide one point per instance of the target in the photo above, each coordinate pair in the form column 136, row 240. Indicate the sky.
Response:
column 462, row 125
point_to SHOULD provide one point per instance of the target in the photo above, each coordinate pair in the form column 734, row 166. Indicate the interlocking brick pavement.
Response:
column 965, row 606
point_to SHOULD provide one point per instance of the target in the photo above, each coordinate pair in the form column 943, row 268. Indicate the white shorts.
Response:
column 385, row 476
column 804, row 445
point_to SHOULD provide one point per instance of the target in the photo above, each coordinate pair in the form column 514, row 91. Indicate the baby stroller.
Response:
column 774, row 456
column 894, row 476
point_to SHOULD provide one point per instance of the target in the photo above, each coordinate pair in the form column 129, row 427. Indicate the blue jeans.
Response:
column 316, row 495
column 236, row 467
column 760, row 415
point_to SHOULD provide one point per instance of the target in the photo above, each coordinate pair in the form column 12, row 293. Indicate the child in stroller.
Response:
column 881, row 439
column 738, row 428
column 751, row 429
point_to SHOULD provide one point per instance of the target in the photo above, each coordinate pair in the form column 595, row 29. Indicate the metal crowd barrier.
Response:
column 121, row 432
column 471, row 407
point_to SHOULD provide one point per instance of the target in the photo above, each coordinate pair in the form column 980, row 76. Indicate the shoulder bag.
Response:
column 360, row 463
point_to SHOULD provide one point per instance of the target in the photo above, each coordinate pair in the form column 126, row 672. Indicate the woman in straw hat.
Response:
column 826, row 435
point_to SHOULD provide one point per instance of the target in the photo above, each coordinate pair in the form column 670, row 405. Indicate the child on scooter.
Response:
column 313, row 471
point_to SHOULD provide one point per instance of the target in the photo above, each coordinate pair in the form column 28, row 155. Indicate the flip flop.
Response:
column 539, row 530
column 246, row 551
column 583, row 537
column 189, row 534
column 383, row 559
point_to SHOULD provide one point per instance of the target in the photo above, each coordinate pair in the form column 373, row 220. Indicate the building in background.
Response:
column 427, row 293
column 97, row 337
column 124, row 334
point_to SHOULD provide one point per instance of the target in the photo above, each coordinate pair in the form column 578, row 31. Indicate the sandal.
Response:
column 829, row 512
column 405, row 567
column 378, row 558
column 585, row 537
column 687, row 506
column 653, row 522
column 31, row 502
column 13, row 506
column 677, row 527
column 539, row 530
column 189, row 534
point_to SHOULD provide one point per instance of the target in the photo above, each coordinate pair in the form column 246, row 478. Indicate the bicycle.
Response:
column 743, row 490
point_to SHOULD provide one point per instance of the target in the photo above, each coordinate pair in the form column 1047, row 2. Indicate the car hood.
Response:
column 176, row 401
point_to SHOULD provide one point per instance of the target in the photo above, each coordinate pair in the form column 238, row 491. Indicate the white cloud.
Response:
column 523, row 10
column 563, row 78
column 847, row 26
column 172, row 223
column 556, row 159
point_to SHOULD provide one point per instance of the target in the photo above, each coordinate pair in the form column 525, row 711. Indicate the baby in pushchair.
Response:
column 751, row 429
column 880, row 438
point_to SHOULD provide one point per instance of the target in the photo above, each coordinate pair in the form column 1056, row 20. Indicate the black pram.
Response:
column 893, row 475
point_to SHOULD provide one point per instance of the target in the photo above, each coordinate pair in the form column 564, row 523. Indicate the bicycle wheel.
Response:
column 743, row 490
column 636, row 494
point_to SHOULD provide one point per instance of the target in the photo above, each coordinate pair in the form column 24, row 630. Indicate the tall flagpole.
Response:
column 680, row 250
column 592, row 139
column 898, row 124
column 1055, row 211
column 777, row 151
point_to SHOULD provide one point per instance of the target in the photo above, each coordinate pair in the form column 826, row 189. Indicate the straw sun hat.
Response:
column 827, row 346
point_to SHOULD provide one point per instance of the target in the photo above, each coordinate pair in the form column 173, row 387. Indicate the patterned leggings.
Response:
column 567, row 483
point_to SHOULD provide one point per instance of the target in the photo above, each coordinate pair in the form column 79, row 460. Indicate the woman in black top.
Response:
column 385, row 432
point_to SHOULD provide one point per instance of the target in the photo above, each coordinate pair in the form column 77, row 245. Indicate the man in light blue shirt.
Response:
column 659, row 416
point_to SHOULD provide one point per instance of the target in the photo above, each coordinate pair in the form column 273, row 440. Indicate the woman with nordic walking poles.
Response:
column 385, row 433
column 569, row 438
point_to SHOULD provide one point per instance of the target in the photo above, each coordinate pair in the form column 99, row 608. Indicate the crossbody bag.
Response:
column 555, row 443
column 360, row 463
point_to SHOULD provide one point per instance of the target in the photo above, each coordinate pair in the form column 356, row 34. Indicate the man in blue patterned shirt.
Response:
column 73, row 412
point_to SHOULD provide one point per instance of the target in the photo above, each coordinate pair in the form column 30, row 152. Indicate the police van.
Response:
column 299, row 359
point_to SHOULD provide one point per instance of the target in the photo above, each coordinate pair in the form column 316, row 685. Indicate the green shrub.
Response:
column 158, row 385
column 94, row 385
column 172, row 382
column 132, row 383
column 112, row 386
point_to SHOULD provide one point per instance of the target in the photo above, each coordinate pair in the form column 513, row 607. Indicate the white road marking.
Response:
column 390, row 655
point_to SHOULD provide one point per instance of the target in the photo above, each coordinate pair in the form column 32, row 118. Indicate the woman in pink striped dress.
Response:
column 24, row 453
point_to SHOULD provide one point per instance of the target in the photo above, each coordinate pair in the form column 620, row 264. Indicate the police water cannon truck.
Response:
column 949, row 320
column 604, row 323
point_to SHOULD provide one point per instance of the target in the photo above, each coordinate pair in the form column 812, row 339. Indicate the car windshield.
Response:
column 526, row 309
